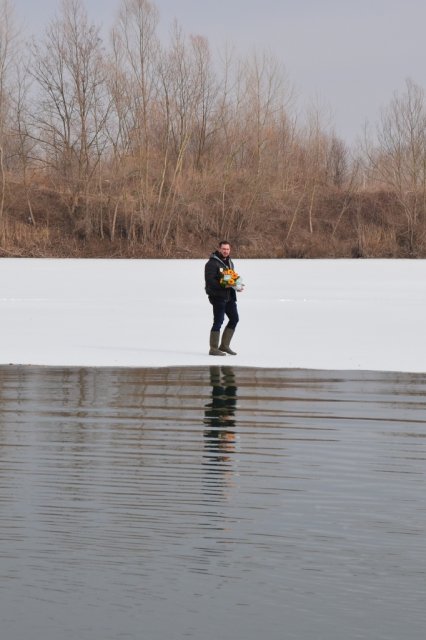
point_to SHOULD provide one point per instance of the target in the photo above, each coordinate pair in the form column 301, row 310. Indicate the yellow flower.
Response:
column 228, row 278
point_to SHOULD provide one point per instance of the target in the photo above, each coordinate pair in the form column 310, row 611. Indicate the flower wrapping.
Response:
column 230, row 278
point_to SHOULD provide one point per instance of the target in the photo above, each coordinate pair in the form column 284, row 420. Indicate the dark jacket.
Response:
column 212, row 273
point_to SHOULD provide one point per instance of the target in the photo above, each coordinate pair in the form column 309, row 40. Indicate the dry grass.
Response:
column 370, row 225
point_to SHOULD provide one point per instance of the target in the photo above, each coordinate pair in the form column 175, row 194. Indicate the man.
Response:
column 223, row 299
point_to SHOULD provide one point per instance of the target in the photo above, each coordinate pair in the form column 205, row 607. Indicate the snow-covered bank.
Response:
column 324, row 314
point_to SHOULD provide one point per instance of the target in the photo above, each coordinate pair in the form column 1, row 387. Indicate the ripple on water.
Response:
column 211, row 503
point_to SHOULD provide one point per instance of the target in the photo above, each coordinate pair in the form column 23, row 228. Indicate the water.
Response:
column 215, row 504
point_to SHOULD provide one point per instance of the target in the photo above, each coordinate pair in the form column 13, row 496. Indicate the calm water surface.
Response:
column 215, row 504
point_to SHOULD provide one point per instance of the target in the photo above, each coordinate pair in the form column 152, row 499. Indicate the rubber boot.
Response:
column 226, row 340
column 214, row 344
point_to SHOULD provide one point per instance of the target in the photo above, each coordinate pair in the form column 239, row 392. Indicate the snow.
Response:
column 315, row 314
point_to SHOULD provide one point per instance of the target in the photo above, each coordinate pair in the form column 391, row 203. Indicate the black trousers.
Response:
column 222, row 308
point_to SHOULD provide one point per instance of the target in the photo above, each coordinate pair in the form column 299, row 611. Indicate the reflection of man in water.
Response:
column 219, row 414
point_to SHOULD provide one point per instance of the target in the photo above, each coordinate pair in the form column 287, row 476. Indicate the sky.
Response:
column 355, row 315
column 347, row 57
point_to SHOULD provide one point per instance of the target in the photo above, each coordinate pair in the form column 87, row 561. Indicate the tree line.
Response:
column 129, row 146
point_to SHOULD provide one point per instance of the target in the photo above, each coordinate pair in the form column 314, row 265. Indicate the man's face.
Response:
column 225, row 250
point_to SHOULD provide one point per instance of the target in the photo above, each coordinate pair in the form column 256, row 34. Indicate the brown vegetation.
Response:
column 147, row 150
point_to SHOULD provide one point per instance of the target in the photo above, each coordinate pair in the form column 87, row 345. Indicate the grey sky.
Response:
column 348, row 56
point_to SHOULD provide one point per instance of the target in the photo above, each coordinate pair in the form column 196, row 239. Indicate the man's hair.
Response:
column 224, row 242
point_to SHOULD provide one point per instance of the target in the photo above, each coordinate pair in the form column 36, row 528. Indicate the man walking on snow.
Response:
column 222, row 298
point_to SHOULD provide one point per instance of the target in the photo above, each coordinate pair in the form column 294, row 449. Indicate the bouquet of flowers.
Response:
column 230, row 278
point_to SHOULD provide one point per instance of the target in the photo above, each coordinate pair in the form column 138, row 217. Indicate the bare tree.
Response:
column 184, row 103
column 205, row 121
column 398, row 160
column 265, row 90
column 8, row 36
column 69, row 123
column 24, row 143
column 337, row 161
column 230, row 139
column 136, row 50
